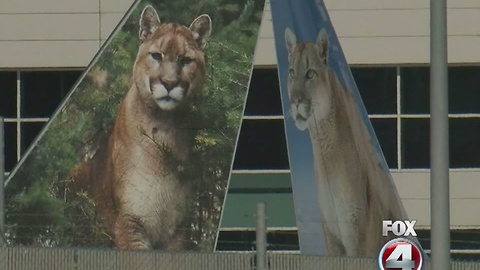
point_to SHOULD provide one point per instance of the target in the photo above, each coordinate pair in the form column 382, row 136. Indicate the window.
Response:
column 8, row 93
column 27, row 101
column 397, row 100
column 264, row 93
column 415, row 143
column 464, row 90
column 386, row 132
column 409, row 115
column 377, row 86
column 261, row 146
column 414, row 90
column 42, row 91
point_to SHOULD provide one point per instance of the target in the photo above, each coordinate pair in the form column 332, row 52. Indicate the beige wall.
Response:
column 55, row 33
column 414, row 189
column 391, row 31
column 370, row 31
column 68, row 33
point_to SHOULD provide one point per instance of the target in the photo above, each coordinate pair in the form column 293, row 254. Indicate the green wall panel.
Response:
column 259, row 180
column 240, row 208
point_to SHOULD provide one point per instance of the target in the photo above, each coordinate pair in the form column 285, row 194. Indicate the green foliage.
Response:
column 36, row 216
column 38, row 211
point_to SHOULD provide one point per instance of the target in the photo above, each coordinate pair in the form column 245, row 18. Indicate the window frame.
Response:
column 18, row 120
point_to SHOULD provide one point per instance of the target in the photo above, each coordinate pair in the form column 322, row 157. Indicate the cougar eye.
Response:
column 310, row 74
column 157, row 56
column 185, row 60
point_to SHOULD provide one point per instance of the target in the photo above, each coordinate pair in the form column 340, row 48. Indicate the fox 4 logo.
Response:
column 400, row 253
column 399, row 227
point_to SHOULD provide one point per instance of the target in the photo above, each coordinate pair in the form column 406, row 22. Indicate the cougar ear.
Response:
column 290, row 40
column 149, row 20
column 201, row 29
column 322, row 42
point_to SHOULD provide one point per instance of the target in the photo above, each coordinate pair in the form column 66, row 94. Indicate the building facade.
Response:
column 47, row 44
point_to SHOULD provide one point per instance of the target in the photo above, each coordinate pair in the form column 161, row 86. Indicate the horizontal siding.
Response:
column 394, row 4
column 63, row 6
column 399, row 28
column 416, row 185
column 463, row 213
column 333, row 5
column 387, row 50
column 49, row 27
column 108, row 23
column 391, row 23
column 115, row 5
column 407, row 50
column 48, row 6
column 265, row 53
column 266, row 26
column 414, row 189
column 402, row 23
column 41, row 54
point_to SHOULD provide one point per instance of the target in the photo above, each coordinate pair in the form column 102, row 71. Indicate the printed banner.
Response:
column 342, row 187
column 139, row 154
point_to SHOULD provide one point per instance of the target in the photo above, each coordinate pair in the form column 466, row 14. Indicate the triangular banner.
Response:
column 342, row 187
column 139, row 153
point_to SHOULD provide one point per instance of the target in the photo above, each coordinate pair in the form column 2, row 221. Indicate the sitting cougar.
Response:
column 136, row 191
column 355, row 191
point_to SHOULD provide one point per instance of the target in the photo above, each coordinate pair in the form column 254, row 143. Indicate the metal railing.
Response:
column 30, row 258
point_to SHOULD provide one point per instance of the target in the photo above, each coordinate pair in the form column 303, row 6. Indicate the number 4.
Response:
column 404, row 251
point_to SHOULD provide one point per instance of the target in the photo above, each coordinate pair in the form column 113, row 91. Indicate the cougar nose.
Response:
column 296, row 99
column 169, row 84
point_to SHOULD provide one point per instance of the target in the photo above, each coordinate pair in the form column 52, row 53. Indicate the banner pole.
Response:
column 2, row 183
column 261, row 237
column 439, row 145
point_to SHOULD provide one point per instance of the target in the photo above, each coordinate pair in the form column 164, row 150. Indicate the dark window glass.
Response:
column 464, row 142
column 8, row 93
column 264, row 93
column 261, row 145
column 386, row 131
column 465, row 239
column 416, row 143
column 10, row 146
column 378, row 88
column 245, row 240
column 464, row 89
column 29, row 133
column 460, row 239
column 69, row 79
column 415, row 90
column 423, row 237
column 42, row 91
